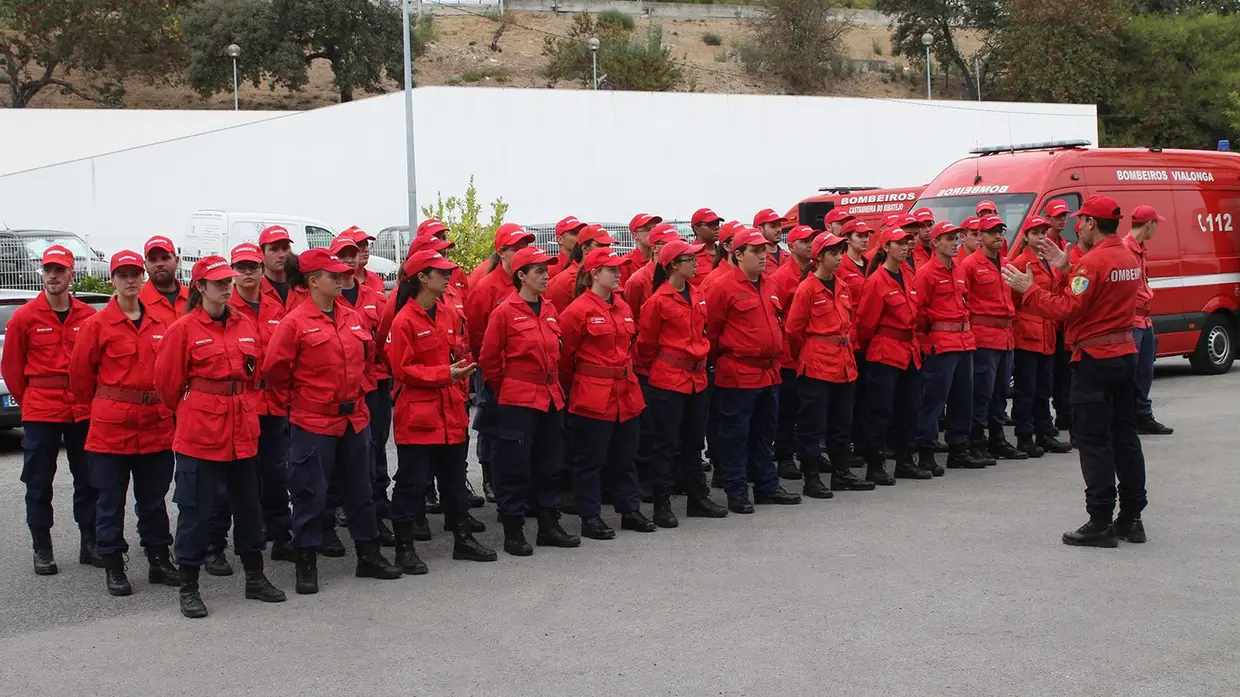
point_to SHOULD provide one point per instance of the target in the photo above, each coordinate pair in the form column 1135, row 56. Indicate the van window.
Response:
column 1012, row 208
column 318, row 237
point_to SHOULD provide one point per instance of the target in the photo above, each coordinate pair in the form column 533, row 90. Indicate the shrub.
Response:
column 877, row 46
column 798, row 41
column 712, row 39
column 497, row 74
column 424, row 29
column 616, row 19
column 628, row 64
column 92, row 284
column 474, row 240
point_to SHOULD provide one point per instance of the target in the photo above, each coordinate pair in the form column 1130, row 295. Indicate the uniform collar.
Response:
column 150, row 293
column 666, row 289
column 594, row 299
column 113, row 314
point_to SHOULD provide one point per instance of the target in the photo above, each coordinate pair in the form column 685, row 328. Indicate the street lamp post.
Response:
column 593, row 43
column 410, row 171
column 234, row 52
column 926, row 40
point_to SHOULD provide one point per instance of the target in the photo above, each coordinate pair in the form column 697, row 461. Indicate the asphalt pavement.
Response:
column 955, row 586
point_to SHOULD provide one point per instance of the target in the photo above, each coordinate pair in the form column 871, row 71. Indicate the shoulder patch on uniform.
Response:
column 356, row 327
column 1079, row 285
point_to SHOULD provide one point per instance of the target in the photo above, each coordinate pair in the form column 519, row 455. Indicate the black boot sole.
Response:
column 265, row 596
column 519, row 550
column 699, row 513
column 822, row 494
column 157, row 578
column 474, row 555
column 852, row 485
column 1103, row 543
column 375, row 572
column 640, row 528
column 46, row 570
column 120, row 591
column 601, row 536
column 666, row 522
column 567, row 542
column 194, row 613
column 306, row 589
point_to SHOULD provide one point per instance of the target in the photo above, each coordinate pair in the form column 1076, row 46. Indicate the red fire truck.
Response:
column 864, row 203
column 1193, row 260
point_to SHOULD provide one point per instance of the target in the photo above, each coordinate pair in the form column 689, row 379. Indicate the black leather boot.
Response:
column 432, row 499
column 307, row 571
column 637, row 522
column 779, row 497
column 1095, row 533
column 421, row 529
column 1051, row 444
column 1027, row 446
column 280, row 549
column 551, row 533
column 815, row 488
column 114, row 575
column 514, row 536
column 44, row 558
column 979, row 452
column 1129, row 528
column 257, row 587
column 86, row 549
column 927, row 461
column 959, row 456
column 876, row 471
column 700, row 505
column 471, row 523
column 406, row 555
column 488, row 491
column 1000, row 448
column 595, row 529
column 906, row 468
column 372, row 564
column 475, row 501
column 386, row 539
column 663, row 515
column 842, row 477
column 161, row 569
column 787, row 469
column 465, row 547
column 331, row 545
column 217, row 562
column 191, row 599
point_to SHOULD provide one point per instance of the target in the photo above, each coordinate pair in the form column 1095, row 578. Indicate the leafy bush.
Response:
column 92, row 284
column 877, row 46
column 628, row 64
column 798, row 41
column 424, row 29
column 474, row 240
column 497, row 74
column 616, row 19
column 712, row 39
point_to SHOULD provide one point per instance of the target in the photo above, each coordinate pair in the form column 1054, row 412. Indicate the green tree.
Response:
column 474, row 239
column 280, row 39
column 628, row 64
column 942, row 19
column 799, row 41
column 85, row 47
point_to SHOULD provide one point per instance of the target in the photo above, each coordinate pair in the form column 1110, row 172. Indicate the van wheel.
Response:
column 1216, row 349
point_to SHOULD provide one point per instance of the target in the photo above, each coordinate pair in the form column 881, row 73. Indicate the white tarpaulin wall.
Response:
column 599, row 155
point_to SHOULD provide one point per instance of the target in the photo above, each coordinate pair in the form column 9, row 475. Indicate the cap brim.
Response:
column 159, row 247
column 57, row 262
column 126, row 265
column 252, row 258
column 527, row 238
column 708, row 221
column 574, row 229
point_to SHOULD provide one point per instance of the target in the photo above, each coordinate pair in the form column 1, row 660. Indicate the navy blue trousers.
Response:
column 786, row 424
column 946, row 381
column 674, row 432
column 41, row 441
column 1105, row 427
column 272, row 486
column 892, row 397
column 415, row 465
column 992, row 372
column 825, row 414
column 317, row 461
column 379, row 402
column 1034, row 375
column 152, row 475
column 528, row 458
column 745, row 420
column 604, row 453
column 197, row 485
column 1147, row 351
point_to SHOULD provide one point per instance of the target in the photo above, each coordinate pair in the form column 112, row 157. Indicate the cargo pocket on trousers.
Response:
column 186, row 479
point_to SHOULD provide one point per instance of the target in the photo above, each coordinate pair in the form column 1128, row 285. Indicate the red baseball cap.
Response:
column 247, row 251
column 825, row 241
column 342, row 242
column 677, row 248
column 1034, row 222
column 158, row 242
column 532, row 255
column 273, row 234
column 923, row 215
column 895, row 234
column 892, row 219
column 1101, row 207
column 704, row 215
column 801, row 232
column 990, row 222
column 986, row 205
column 943, row 228
column 1144, row 214
column 430, row 242
column 970, row 223
column 569, row 224
column 858, row 227
column 426, row 259
column 313, row 260
column 125, row 258
column 663, row 234
column 58, row 255
column 643, row 219
column 511, row 235
column 359, row 235
column 837, row 215
column 907, row 219
column 602, row 256
column 1057, row 207
column 766, row 215
column 745, row 237
column 431, row 226
column 212, row 268
column 729, row 229
column 595, row 233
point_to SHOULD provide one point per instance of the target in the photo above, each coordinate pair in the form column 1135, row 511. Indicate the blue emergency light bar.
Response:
column 1048, row 145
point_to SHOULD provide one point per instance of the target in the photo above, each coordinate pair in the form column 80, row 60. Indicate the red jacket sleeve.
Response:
column 798, row 320
column 491, row 355
column 13, row 365
column 84, row 363
column 281, row 353
column 172, row 365
column 870, row 310
column 477, row 317
column 1061, row 302
column 649, row 327
column 571, row 324
column 924, row 285
column 405, row 365
column 716, row 316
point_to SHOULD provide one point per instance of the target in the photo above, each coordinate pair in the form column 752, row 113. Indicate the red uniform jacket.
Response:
column 205, row 371
column 630, row 263
column 854, row 277
column 520, row 356
column 705, row 258
column 886, row 317
column 921, row 255
column 742, row 324
column 484, row 297
column 1145, row 294
column 36, row 360
column 671, row 340
column 775, row 260
column 1034, row 332
column 371, row 280
column 296, row 296
column 1096, row 300
column 321, row 365
column 478, row 273
column 723, row 269
column 113, row 370
column 561, row 288
column 991, row 312
column 637, row 290
column 784, row 282
column 942, row 316
column 157, row 306
column 430, row 406
column 370, row 307
column 820, row 329
column 267, row 401
column 596, row 359
column 554, row 270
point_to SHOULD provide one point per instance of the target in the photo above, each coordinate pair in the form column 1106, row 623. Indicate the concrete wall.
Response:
column 599, row 155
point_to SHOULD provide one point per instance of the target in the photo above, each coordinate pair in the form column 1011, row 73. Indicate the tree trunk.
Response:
column 346, row 94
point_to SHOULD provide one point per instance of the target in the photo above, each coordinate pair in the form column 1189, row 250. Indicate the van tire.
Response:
column 1216, row 349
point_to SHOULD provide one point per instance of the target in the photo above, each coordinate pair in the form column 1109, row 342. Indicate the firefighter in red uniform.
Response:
column 705, row 224
column 520, row 362
column 886, row 317
column 206, row 372
column 38, row 342
column 639, row 227
column 562, row 289
column 364, row 276
column 276, row 245
column 430, row 361
column 639, row 286
column 113, row 371
column 433, row 228
column 835, row 221
column 320, row 356
column 672, row 349
column 923, row 249
column 784, row 282
column 1145, row 222
column 770, row 224
column 163, row 296
column 852, row 273
column 1057, row 215
column 746, row 342
column 1097, row 298
column 723, row 264
column 1033, row 362
column 566, row 236
column 605, row 399
column 820, row 330
column 949, row 346
column 991, row 313
column 970, row 237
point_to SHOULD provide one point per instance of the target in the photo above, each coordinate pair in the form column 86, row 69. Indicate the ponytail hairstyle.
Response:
column 721, row 253
column 584, row 281
column 578, row 254
column 809, row 268
column 195, row 299
column 660, row 276
column 880, row 258
column 494, row 261
column 293, row 274
column 408, row 288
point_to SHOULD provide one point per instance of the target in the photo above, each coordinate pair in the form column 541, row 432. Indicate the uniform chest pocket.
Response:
column 315, row 340
column 208, row 354
column 822, row 308
column 366, row 341
column 896, row 301
column 600, row 328
column 45, row 339
column 745, row 304
column 986, row 278
column 675, row 311
column 249, row 356
column 429, row 346
column 120, row 349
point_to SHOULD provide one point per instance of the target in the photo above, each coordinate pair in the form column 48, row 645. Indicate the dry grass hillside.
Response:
column 459, row 54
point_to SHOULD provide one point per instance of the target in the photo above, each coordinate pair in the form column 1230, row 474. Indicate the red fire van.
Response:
column 1193, row 260
column 864, row 203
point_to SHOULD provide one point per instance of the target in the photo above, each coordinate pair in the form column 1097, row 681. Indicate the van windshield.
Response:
column 1012, row 208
